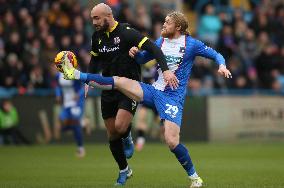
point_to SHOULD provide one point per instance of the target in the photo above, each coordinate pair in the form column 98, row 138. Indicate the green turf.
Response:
column 221, row 166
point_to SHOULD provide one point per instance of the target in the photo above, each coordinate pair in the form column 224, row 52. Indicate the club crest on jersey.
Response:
column 116, row 40
column 181, row 49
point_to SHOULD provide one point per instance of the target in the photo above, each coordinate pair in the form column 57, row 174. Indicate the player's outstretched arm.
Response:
column 204, row 51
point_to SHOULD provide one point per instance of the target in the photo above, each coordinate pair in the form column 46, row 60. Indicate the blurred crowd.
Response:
column 250, row 39
column 33, row 31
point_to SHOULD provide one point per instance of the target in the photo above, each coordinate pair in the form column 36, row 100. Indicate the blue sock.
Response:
column 97, row 80
column 77, row 131
column 184, row 159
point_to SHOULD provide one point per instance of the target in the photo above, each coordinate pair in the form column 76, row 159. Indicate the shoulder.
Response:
column 126, row 28
column 124, row 25
column 190, row 41
column 189, row 38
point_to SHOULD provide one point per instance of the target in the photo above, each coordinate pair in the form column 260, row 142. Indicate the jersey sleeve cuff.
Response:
column 94, row 54
column 142, row 42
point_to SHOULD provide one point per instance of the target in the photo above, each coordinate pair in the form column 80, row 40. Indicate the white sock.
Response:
column 124, row 170
column 193, row 176
column 140, row 140
column 81, row 148
column 77, row 74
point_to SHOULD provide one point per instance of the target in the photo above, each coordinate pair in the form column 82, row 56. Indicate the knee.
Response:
column 119, row 81
column 172, row 141
column 120, row 127
column 112, row 134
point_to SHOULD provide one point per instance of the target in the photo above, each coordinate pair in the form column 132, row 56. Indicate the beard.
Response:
column 167, row 34
column 102, row 28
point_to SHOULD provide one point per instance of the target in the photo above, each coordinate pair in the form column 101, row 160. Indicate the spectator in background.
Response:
column 261, row 23
column 65, row 43
column 125, row 14
column 240, row 28
column 248, row 49
column 279, row 26
column 224, row 18
column 143, row 22
column 266, row 62
column 237, row 70
column 238, row 15
column 2, row 56
column 9, row 128
column 11, row 72
column 226, row 43
column 14, row 45
column 49, row 51
column 156, row 30
column 78, row 25
column 157, row 14
column 36, row 30
column 87, row 23
column 9, row 22
column 209, row 26
column 157, row 19
column 263, row 40
column 38, row 78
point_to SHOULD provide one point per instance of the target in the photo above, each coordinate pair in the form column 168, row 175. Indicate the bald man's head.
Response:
column 102, row 9
column 102, row 17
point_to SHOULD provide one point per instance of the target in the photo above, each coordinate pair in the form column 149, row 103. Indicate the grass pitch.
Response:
column 244, row 165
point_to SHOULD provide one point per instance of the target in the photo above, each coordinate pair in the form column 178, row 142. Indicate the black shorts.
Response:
column 112, row 101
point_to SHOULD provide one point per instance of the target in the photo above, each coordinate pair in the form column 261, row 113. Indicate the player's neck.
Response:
column 175, row 36
column 112, row 24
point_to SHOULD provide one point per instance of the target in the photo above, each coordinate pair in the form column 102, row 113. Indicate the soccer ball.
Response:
column 65, row 56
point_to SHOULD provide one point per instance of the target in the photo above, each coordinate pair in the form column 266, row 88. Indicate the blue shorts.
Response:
column 71, row 113
column 168, row 107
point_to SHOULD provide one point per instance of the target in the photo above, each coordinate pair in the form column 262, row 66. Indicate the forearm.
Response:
column 219, row 59
column 143, row 57
column 212, row 54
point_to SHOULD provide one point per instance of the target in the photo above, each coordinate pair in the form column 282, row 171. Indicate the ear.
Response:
column 178, row 28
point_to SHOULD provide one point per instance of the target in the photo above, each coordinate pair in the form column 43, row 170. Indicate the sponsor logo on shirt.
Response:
column 116, row 40
column 106, row 49
column 181, row 49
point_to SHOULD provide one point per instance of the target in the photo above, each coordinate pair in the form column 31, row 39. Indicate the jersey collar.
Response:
column 111, row 29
